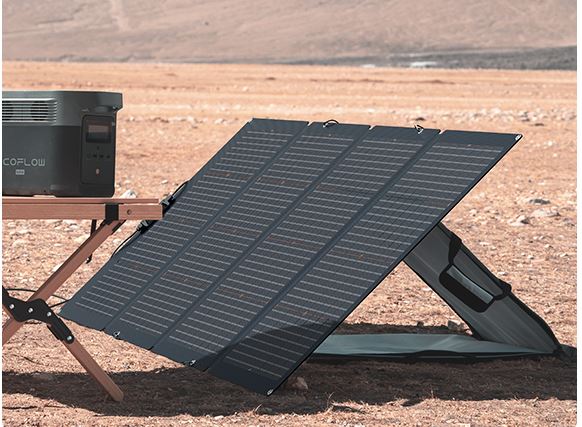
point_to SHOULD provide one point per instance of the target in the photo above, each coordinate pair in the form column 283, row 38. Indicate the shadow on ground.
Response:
column 173, row 391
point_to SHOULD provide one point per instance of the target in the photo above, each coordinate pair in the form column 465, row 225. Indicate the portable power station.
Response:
column 59, row 143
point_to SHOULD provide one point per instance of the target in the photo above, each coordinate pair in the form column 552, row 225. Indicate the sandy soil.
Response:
column 177, row 116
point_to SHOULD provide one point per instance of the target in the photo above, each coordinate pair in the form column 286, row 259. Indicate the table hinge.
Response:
column 37, row 309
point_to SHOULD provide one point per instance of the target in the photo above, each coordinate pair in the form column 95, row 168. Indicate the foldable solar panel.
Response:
column 265, row 251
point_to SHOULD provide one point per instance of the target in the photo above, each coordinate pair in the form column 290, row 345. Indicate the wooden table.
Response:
column 113, row 213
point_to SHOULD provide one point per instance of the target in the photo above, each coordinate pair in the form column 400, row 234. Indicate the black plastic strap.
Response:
column 459, row 290
column 111, row 212
column 469, row 298
column 36, row 309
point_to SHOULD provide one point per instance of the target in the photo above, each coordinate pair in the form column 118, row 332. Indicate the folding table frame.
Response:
column 113, row 213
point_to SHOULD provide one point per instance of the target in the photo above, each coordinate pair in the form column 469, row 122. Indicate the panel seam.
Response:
column 405, row 253
column 209, row 223
column 261, row 238
column 330, row 244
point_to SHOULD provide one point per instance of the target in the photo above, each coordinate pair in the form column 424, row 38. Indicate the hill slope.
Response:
column 295, row 31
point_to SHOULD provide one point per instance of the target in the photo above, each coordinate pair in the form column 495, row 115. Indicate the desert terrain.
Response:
column 177, row 116
column 447, row 33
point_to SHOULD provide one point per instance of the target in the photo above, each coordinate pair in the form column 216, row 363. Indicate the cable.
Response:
column 63, row 299
column 59, row 303
column 122, row 244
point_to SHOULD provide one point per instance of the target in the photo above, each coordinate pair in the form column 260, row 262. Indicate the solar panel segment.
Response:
column 131, row 271
column 230, row 232
column 271, row 259
column 278, row 239
column 349, row 267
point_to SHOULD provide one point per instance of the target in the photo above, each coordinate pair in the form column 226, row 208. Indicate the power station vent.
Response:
column 29, row 110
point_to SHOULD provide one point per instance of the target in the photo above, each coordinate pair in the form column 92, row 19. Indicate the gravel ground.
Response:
column 177, row 116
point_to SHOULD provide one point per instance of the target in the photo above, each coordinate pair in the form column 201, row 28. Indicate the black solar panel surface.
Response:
column 212, row 190
column 280, row 236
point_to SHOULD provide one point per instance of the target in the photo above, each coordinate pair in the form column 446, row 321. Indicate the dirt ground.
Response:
column 176, row 116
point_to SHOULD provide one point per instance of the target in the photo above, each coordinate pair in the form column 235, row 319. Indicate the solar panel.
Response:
column 277, row 239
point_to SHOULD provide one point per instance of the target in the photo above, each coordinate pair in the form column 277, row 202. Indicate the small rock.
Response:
column 297, row 383
column 165, row 181
column 454, row 326
column 23, row 231
column 545, row 213
column 129, row 194
column 18, row 242
column 219, row 417
column 80, row 239
column 538, row 201
column 520, row 221
column 420, row 324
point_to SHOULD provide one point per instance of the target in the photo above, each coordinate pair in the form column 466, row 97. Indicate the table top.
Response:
column 78, row 208
column 71, row 200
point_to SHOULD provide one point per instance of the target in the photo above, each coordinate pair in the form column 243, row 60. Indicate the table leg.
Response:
column 65, row 271
column 9, row 329
column 98, row 374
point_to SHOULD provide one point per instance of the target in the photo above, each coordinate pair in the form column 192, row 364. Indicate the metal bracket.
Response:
column 147, row 223
column 166, row 203
column 36, row 309
column 419, row 129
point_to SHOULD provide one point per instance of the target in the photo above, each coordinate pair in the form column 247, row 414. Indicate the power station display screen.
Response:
column 98, row 131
